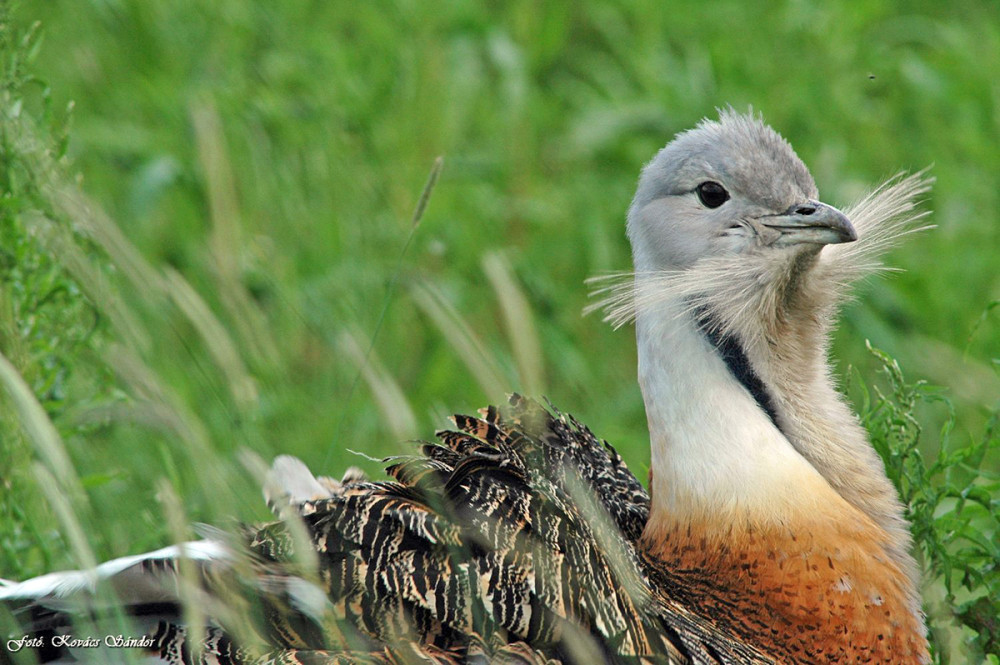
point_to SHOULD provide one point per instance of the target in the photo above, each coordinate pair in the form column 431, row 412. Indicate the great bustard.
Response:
column 770, row 533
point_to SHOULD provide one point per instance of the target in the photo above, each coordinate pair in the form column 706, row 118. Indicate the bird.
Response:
column 769, row 532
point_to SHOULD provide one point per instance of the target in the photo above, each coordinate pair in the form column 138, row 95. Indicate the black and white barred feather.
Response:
column 511, row 539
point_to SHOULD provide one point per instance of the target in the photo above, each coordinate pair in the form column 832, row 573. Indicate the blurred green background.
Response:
column 272, row 154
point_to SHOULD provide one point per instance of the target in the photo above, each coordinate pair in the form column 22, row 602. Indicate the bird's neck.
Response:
column 734, row 499
column 715, row 452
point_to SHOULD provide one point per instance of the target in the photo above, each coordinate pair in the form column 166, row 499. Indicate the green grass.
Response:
column 262, row 164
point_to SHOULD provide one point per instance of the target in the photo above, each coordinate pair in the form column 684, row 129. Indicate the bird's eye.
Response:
column 712, row 194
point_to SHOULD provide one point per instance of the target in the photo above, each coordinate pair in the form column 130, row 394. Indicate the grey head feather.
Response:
column 725, row 260
column 739, row 150
column 671, row 226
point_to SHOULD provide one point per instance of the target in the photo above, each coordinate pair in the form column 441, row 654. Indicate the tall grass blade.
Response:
column 188, row 586
column 217, row 340
column 85, row 272
column 161, row 406
column 44, row 437
column 518, row 322
column 74, row 205
column 392, row 403
column 463, row 340
column 226, row 240
column 418, row 215
column 65, row 505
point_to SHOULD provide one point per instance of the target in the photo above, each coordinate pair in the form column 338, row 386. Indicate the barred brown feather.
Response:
column 482, row 535
column 512, row 539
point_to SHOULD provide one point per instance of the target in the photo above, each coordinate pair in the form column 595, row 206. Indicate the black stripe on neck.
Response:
column 732, row 353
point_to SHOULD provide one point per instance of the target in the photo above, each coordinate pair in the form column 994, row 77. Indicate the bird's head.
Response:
column 727, row 221
column 727, row 188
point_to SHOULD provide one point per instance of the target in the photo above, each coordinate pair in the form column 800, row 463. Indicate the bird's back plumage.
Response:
column 513, row 538
column 517, row 527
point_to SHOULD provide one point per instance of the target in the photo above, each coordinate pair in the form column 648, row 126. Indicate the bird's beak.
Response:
column 811, row 222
